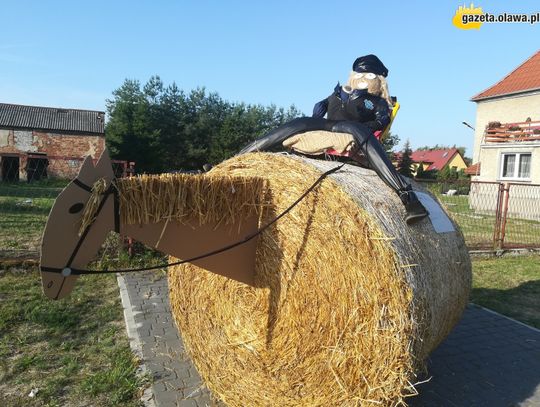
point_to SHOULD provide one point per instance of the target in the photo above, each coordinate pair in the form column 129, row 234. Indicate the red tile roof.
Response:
column 436, row 158
column 524, row 78
column 473, row 169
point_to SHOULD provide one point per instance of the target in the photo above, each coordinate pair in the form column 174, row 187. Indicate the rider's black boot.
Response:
column 415, row 210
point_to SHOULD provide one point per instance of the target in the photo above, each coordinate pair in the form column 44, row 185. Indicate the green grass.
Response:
column 478, row 227
column 74, row 351
column 510, row 286
column 24, row 208
column 22, row 222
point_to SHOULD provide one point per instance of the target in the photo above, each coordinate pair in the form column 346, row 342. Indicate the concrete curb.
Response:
column 479, row 254
column 155, row 338
column 135, row 341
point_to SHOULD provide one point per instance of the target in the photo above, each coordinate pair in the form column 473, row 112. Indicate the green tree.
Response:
column 420, row 173
column 447, row 174
column 389, row 142
column 406, row 162
column 162, row 128
column 461, row 174
column 172, row 119
column 126, row 136
column 245, row 123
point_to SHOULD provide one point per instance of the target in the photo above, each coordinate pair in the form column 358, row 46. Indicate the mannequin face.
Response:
column 365, row 80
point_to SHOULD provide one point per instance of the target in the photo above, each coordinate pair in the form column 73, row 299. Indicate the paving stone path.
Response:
column 155, row 338
column 488, row 360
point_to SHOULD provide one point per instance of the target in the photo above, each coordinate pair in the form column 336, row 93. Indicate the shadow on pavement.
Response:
column 488, row 360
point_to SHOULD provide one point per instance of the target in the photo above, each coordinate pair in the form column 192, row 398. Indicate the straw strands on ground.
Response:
column 349, row 300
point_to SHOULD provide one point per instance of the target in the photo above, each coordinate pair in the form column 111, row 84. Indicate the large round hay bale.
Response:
column 349, row 299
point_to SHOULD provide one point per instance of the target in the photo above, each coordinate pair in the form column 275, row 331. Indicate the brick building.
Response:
column 36, row 142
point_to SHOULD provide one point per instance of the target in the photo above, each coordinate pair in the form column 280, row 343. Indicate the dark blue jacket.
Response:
column 358, row 106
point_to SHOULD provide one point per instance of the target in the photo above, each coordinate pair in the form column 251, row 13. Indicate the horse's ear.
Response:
column 87, row 172
column 104, row 166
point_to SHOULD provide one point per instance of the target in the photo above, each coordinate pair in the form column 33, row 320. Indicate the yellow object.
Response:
column 465, row 17
column 392, row 117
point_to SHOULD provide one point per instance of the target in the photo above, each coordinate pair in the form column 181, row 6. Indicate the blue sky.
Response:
column 74, row 54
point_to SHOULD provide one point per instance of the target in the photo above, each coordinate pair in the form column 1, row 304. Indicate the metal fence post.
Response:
column 130, row 172
column 498, row 218
column 506, row 199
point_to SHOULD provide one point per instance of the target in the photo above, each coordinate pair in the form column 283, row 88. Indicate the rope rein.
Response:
column 112, row 190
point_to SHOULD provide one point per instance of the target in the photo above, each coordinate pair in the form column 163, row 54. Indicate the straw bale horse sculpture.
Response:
column 65, row 250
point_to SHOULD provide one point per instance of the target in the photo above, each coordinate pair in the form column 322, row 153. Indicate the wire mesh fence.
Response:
column 24, row 208
column 26, row 198
column 520, row 216
column 34, row 167
column 492, row 215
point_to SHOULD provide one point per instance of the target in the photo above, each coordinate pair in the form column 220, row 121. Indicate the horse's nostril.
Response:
column 76, row 208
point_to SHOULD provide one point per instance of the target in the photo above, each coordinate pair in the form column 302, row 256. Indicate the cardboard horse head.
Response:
column 65, row 252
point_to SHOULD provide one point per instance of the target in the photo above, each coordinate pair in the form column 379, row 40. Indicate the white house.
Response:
column 507, row 139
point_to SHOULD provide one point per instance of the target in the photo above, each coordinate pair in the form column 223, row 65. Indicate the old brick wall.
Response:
column 65, row 152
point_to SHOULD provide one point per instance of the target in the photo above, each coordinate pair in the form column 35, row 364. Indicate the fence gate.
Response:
column 492, row 215
column 481, row 224
column 519, row 224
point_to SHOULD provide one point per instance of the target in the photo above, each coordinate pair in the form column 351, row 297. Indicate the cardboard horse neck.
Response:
column 63, row 248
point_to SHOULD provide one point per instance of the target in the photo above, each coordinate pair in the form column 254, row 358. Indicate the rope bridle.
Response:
column 113, row 190
column 68, row 270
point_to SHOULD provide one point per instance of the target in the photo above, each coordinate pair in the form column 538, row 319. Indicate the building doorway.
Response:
column 36, row 167
column 10, row 168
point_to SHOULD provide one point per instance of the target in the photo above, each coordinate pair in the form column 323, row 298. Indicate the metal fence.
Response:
column 32, row 167
column 492, row 215
column 25, row 202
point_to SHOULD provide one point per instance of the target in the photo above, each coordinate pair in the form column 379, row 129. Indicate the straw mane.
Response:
column 199, row 198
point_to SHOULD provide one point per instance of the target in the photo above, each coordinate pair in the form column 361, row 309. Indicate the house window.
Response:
column 516, row 166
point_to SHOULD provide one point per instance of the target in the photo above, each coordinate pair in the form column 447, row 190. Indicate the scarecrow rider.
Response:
column 360, row 108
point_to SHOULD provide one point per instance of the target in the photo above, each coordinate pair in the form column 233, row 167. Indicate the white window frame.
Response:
column 516, row 166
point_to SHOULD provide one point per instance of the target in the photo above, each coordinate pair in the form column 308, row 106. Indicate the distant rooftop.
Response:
column 436, row 158
column 473, row 169
column 525, row 77
column 51, row 118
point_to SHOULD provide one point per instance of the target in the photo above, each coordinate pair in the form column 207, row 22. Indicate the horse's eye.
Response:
column 76, row 208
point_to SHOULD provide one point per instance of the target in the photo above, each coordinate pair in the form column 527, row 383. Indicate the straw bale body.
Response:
column 349, row 300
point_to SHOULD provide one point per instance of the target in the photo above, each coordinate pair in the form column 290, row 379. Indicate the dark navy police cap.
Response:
column 370, row 63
